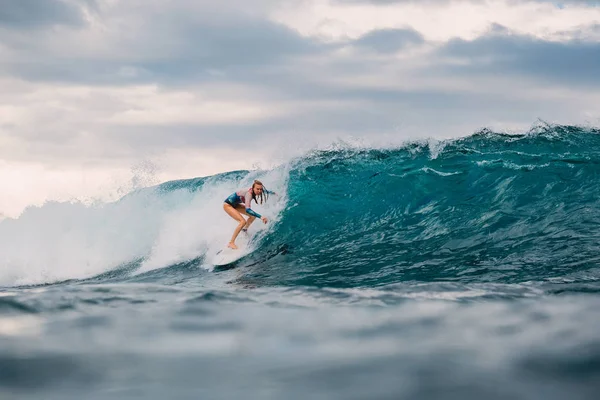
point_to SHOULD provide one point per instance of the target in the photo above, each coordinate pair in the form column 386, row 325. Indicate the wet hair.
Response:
column 263, row 196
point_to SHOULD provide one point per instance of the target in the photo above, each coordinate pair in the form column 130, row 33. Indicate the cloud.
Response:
column 557, row 3
column 314, row 90
column 29, row 14
column 389, row 40
column 128, row 44
column 503, row 53
column 435, row 20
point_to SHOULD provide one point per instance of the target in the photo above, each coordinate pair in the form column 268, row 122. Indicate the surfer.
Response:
column 238, row 203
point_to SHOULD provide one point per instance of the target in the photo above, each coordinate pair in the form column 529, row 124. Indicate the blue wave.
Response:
column 487, row 208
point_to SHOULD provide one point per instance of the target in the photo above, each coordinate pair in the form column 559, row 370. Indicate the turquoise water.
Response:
column 459, row 269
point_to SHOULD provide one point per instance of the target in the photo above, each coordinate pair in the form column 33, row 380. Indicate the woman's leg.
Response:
column 235, row 214
column 242, row 210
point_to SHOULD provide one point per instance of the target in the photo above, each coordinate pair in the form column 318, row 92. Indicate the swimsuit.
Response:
column 242, row 197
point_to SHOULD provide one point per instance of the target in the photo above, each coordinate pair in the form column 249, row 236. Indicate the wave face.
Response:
column 487, row 208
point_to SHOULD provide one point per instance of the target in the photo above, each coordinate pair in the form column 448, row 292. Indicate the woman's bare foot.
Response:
column 232, row 246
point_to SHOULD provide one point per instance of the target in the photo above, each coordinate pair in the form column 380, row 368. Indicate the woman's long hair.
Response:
column 264, row 196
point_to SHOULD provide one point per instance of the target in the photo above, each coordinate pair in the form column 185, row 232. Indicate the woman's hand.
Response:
column 264, row 220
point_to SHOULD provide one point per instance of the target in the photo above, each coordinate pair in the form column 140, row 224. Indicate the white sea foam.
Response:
column 60, row 241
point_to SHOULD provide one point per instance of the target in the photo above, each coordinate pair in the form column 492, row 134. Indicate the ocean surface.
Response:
column 458, row 269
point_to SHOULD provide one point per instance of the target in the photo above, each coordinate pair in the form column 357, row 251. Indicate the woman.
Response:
column 238, row 203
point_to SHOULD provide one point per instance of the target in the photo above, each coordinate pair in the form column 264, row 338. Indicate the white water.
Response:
column 60, row 241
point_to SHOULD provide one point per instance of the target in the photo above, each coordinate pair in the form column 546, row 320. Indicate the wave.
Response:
column 490, row 207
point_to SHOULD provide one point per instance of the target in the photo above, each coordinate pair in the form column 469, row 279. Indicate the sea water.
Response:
column 462, row 269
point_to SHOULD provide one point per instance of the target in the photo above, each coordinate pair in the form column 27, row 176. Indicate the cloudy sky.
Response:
column 97, row 92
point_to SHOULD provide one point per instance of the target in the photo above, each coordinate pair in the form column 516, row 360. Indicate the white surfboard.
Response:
column 225, row 255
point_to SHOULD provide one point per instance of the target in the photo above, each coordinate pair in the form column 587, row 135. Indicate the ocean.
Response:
column 454, row 269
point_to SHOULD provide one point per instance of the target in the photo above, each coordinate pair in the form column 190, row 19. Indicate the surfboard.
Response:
column 226, row 256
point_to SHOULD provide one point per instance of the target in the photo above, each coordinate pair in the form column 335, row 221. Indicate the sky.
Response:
column 101, row 96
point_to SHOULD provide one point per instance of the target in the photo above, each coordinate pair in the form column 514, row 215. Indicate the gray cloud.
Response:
column 38, row 13
column 388, row 2
column 178, row 47
column 159, row 46
column 389, row 40
column 503, row 53
column 558, row 3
